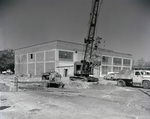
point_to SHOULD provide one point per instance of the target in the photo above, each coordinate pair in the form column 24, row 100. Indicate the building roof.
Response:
column 48, row 42
column 72, row 46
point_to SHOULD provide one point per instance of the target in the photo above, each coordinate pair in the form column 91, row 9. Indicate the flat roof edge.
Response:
column 71, row 43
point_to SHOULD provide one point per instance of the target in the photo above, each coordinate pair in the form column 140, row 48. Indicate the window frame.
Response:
column 65, row 55
column 116, row 60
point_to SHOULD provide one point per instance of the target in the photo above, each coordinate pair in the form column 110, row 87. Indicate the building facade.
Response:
column 61, row 55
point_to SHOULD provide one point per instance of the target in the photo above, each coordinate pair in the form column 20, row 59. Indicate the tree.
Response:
column 147, row 64
column 7, row 60
column 141, row 63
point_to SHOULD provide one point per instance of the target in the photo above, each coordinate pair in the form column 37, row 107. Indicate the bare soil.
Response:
column 78, row 100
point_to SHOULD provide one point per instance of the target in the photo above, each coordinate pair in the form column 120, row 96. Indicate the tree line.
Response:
column 141, row 64
column 7, row 60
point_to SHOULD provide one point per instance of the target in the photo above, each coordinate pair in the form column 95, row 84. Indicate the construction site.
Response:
column 61, row 79
column 77, row 99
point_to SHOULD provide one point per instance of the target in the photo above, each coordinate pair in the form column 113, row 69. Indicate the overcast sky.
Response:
column 124, row 25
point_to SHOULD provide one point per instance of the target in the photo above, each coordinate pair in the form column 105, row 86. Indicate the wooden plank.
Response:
column 33, row 82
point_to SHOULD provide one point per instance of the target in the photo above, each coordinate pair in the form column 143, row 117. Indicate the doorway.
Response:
column 65, row 72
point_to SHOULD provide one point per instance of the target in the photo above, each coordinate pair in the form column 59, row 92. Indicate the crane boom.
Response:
column 89, row 41
column 85, row 67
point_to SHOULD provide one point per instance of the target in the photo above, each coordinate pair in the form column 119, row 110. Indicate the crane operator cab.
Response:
column 79, row 70
column 83, row 74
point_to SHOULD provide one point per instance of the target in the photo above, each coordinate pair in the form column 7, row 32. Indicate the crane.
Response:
column 91, row 45
column 91, row 57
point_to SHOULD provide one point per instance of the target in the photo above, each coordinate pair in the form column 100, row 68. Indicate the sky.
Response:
column 124, row 25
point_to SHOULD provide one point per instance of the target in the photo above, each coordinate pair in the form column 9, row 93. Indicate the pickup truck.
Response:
column 133, row 78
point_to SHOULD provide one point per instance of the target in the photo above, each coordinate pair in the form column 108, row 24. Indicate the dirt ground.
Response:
column 78, row 100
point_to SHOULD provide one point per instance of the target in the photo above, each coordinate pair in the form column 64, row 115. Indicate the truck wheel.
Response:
column 72, row 79
column 146, row 84
column 112, row 78
column 121, row 83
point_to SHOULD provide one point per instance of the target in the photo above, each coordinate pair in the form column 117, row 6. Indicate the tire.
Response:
column 146, row 84
column 111, row 78
column 61, row 85
column 72, row 79
column 121, row 83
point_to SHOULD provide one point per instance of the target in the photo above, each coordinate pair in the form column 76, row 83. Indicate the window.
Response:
column 137, row 73
column 31, row 56
column 147, row 73
column 116, row 69
column 127, row 68
column 106, row 69
column 126, row 62
column 105, row 59
column 64, row 55
column 117, row 61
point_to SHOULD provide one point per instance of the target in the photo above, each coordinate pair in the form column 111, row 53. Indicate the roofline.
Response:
column 68, row 42
column 123, row 53
column 48, row 42
column 114, row 51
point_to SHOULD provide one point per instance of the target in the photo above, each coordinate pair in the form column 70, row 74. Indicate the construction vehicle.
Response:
column 84, row 68
column 132, row 78
column 52, row 79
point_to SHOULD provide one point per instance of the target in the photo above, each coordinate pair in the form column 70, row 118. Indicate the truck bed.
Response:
column 124, row 74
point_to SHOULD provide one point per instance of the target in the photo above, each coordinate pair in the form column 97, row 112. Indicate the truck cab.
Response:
column 140, row 79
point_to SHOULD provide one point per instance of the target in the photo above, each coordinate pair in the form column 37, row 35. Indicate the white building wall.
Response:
column 78, row 55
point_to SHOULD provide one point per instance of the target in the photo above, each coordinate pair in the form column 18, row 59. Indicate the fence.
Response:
column 16, row 82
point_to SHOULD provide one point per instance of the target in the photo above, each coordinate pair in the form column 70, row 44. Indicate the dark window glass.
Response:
column 64, row 55
column 31, row 55
column 116, row 69
column 137, row 73
column 117, row 61
column 126, row 62
column 105, row 59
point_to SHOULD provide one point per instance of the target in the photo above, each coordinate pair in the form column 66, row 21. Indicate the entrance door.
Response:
column 65, row 72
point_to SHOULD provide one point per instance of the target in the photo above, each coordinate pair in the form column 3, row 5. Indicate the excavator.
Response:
column 84, row 68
